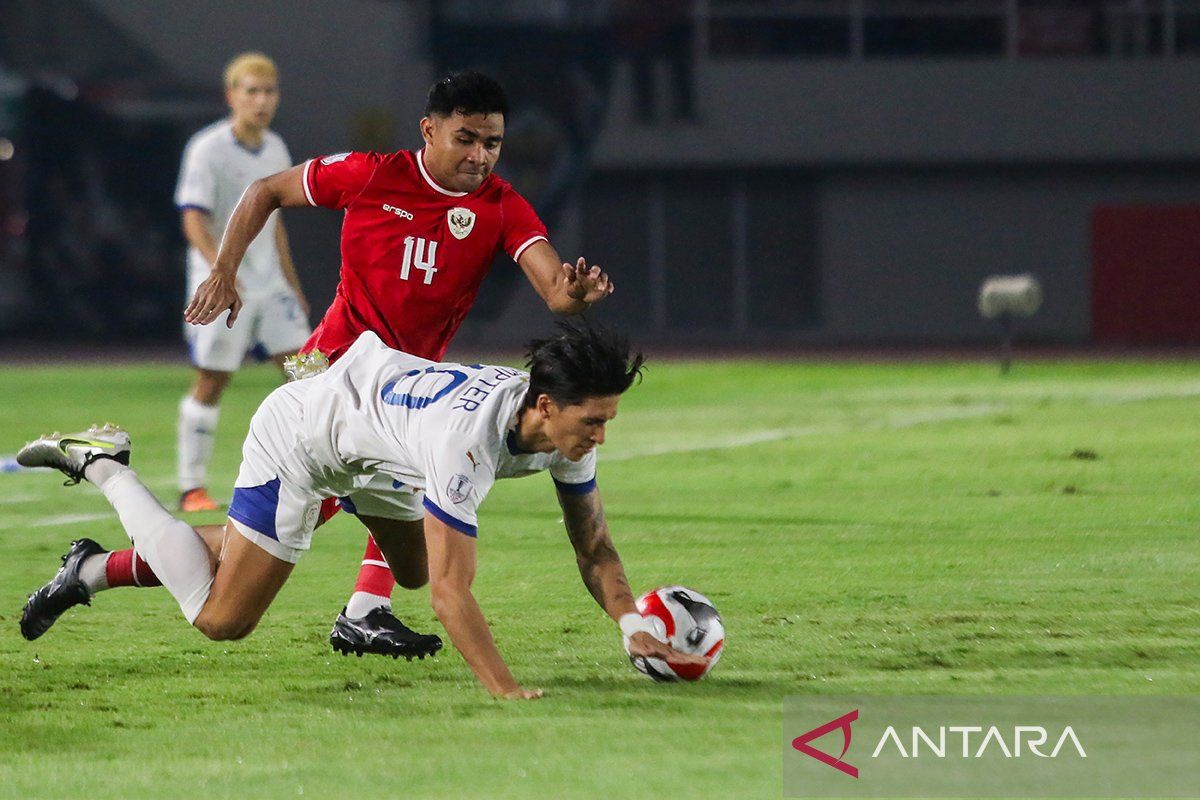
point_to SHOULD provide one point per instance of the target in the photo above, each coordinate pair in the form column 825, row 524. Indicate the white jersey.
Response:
column 215, row 172
column 443, row 428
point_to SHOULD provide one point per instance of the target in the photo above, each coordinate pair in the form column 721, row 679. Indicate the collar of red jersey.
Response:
column 429, row 178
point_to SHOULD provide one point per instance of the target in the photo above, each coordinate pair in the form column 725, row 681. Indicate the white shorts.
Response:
column 271, row 325
column 385, row 497
column 276, row 502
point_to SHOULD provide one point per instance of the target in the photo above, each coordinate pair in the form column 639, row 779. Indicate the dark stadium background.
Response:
column 817, row 173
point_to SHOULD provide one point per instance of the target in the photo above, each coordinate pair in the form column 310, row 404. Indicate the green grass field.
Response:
column 879, row 529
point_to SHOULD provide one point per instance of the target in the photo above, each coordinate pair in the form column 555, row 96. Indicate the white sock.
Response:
column 196, row 436
column 99, row 471
column 172, row 548
column 363, row 603
column 94, row 572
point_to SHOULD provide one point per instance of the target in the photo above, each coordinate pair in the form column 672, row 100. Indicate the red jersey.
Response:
column 413, row 252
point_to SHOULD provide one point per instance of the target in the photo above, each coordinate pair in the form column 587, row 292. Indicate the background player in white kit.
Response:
column 448, row 429
column 219, row 163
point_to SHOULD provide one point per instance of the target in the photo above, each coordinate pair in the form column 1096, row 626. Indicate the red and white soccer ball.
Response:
column 692, row 626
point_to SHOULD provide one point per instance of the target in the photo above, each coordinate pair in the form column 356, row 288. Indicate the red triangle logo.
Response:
column 801, row 743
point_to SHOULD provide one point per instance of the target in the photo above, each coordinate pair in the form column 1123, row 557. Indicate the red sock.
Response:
column 374, row 576
column 127, row 568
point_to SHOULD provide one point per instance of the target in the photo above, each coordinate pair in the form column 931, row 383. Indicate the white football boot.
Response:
column 71, row 453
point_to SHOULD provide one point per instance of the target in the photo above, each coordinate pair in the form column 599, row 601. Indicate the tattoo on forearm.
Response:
column 584, row 516
column 599, row 565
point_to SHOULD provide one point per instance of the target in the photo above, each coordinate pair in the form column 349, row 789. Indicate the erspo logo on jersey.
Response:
column 327, row 160
column 399, row 212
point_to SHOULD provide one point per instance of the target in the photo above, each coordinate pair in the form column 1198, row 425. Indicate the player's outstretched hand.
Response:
column 589, row 284
column 643, row 644
column 217, row 293
column 522, row 694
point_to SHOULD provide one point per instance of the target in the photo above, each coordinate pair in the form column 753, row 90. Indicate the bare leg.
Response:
column 209, row 385
column 403, row 545
column 214, row 539
column 246, row 582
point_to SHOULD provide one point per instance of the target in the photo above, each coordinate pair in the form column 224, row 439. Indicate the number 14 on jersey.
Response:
column 419, row 253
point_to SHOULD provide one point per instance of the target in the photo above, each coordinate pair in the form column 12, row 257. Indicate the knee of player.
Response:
column 209, row 385
column 413, row 580
column 223, row 630
column 440, row 602
column 447, row 599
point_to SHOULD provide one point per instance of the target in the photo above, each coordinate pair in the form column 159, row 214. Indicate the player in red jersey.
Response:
column 419, row 233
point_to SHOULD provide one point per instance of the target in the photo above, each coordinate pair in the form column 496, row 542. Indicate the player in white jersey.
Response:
column 397, row 437
column 219, row 163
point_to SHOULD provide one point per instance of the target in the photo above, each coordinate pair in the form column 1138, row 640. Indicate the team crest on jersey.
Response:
column 459, row 488
column 461, row 220
column 327, row 160
column 310, row 516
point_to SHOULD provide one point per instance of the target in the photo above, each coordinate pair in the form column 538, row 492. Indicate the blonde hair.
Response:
column 246, row 64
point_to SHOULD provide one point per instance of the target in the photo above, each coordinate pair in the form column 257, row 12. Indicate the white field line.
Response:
column 1097, row 394
column 64, row 519
column 900, row 421
column 897, row 421
column 1134, row 394
column 156, row 484
column 13, row 499
column 161, row 486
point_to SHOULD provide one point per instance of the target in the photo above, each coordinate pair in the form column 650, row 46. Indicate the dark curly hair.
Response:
column 579, row 361
column 468, row 93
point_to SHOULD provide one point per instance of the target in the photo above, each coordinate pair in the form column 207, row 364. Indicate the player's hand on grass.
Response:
column 643, row 644
column 218, row 292
column 589, row 284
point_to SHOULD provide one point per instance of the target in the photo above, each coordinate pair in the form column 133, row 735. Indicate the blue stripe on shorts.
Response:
column 255, row 507
column 452, row 521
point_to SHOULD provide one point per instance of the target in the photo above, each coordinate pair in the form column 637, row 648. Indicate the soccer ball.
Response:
column 693, row 626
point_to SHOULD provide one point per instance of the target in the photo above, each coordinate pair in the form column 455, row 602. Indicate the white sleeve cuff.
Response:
column 521, row 250
column 304, row 178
